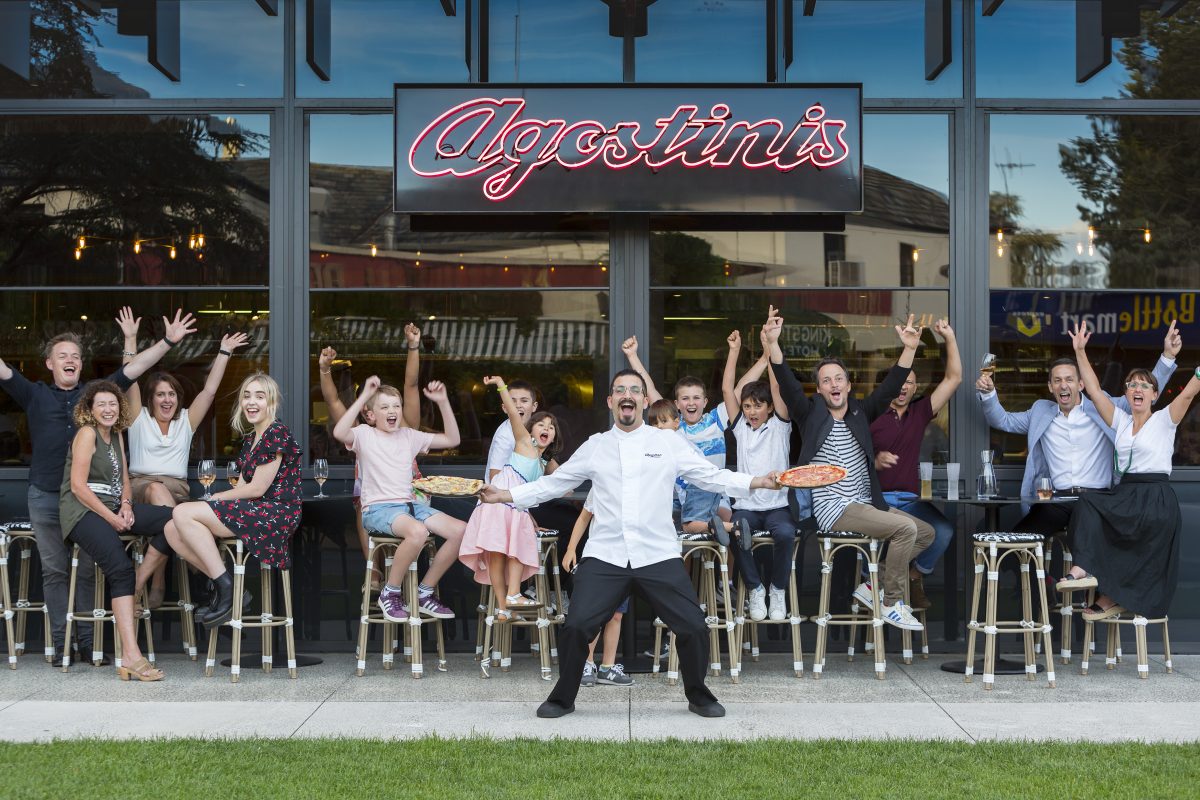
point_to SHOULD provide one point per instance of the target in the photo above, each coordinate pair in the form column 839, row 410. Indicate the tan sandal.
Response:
column 140, row 670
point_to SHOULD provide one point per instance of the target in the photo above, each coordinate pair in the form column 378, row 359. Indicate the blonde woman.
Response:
column 263, row 510
column 96, row 506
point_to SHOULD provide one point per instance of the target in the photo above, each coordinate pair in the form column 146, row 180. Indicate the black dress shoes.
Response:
column 713, row 709
column 552, row 710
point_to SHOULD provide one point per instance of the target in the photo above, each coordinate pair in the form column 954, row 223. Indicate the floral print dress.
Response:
column 266, row 525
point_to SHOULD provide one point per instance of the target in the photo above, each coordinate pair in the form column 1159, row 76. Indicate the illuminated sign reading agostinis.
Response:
column 722, row 149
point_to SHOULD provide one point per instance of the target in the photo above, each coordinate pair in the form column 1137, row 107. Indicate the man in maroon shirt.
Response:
column 897, row 436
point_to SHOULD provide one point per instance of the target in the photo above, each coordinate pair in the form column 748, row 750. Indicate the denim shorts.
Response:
column 699, row 505
column 379, row 517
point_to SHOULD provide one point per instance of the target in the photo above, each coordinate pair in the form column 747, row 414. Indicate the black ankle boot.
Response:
column 221, row 610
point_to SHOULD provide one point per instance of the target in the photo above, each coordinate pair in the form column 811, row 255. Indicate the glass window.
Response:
column 1029, row 329
column 1094, row 202
column 688, row 331
column 32, row 317
column 374, row 44
column 902, row 238
column 552, row 41
column 880, row 43
column 107, row 200
column 217, row 48
column 1028, row 49
column 704, row 41
column 557, row 340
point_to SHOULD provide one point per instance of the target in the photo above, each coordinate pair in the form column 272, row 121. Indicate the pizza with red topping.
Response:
column 812, row 476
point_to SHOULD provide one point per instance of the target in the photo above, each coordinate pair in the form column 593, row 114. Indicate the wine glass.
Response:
column 320, row 475
column 231, row 474
column 206, row 473
column 987, row 365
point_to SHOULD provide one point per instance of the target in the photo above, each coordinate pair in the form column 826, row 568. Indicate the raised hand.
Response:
column 1080, row 336
column 1173, row 342
column 985, row 384
column 325, row 360
column 771, row 328
column 181, row 326
column 493, row 380
column 412, row 335
column 629, row 346
column 436, row 391
column 232, row 341
column 734, row 340
column 942, row 328
column 910, row 333
column 127, row 323
column 370, row 385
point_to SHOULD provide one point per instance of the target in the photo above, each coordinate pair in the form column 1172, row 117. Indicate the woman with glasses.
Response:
column 1126, row 540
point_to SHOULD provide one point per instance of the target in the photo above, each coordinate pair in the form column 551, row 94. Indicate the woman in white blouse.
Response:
column 1126, row 541
column 160, row 437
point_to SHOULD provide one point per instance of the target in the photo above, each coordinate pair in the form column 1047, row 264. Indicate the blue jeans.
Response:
column 943, row 529
column 378, row 518
column 699, row 505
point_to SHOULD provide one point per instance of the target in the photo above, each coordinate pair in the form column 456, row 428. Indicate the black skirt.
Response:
column 1129, row 539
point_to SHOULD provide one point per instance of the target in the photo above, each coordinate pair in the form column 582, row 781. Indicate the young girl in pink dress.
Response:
column 500, row 544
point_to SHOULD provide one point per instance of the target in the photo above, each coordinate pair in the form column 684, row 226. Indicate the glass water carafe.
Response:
column 987, row 476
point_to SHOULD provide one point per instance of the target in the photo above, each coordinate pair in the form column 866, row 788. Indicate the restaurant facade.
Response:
column 277, row 167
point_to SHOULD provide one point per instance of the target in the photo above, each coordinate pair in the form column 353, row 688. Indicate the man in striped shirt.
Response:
column 835, row 429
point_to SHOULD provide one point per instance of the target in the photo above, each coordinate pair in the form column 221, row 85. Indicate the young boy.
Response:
column 762, row 430
column 700, row 510
column 386, row 452
column 609, row 672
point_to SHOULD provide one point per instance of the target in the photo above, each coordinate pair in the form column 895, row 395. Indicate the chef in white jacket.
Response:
column 633, row 543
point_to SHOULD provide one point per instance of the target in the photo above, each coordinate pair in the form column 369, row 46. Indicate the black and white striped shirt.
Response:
column 841, row 449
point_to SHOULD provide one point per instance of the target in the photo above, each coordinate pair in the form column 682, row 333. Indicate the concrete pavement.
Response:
column 916, row 701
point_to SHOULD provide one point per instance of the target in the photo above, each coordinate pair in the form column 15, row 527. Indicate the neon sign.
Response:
column 741, row 148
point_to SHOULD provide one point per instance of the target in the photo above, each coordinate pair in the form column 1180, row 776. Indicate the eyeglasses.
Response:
column 1138, row 385
column 635, row 391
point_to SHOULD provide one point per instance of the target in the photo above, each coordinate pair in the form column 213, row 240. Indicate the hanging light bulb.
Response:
column 78, row 253
column 1091, row 250
column 1000, row 250
column 200, row 240
column 1146, row 235
column 999, row 234
column 1091, row 234
column 82, row 242
column 374, row 250
column 137, row 246
column 916, row 254
column 172, row 253
column 1079, row 248
column 191, row 243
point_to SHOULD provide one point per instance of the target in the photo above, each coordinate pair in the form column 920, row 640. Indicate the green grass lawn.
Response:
column 492, row 768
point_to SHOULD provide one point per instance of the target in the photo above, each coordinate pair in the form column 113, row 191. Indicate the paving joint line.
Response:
column 320, row 705
column 934, row 700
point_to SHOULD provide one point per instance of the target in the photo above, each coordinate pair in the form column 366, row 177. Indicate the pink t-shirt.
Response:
column 387, row 461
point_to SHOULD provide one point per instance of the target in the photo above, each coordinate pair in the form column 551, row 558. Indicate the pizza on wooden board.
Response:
column 812, row 476
column 448, row 485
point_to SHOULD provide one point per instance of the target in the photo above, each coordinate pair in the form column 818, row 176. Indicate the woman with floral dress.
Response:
column 263, row 510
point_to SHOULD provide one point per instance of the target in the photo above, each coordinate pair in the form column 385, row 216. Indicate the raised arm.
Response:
column 729, row 392
column 630, row 348
column 329, row 392
column 6, row 371
column 449, row 437
column 343, row 429
column 781, row 410
column 129, row 332
column 790, row 390
column 515, row 423
column 203, row 401
column 1179, row 406
column 412, row 377
column 954, row 371
column 174, row 330
column 1087, row 375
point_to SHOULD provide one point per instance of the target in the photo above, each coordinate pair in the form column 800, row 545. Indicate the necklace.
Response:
column 1117, row 454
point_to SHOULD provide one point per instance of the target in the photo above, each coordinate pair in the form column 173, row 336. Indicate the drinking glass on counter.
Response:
column 231, row 474
column 1045, row 489
column 952, row 475
column 925, row 468
column 206, row 473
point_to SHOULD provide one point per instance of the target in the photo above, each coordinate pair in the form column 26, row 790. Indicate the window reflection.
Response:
column 880, row 43
column 556, row 340
column 700, row 41
column 375, row 44
column 551, row 41
column 1093, row 202
column 1029, row 329
column 220, row 48
column 28, row 319
column 1028, row 49
column 134, row 200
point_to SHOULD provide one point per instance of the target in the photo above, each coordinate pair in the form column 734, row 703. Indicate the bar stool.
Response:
column 708, row 558
column 990, row 549
column 184, row 607
column 1067, row 607
column 865, row 548
column 18, row 537
column 1113, row 654
column 135, row 545
column 793, row 620
column 370, row 614
column 496, row 635
column 265, row 620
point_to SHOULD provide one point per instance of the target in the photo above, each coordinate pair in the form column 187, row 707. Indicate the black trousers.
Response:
column 782, row 526
column 102, row 543
column 1048, row 519
column 599, row 589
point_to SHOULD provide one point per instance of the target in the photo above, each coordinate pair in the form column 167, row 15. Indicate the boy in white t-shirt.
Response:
column 386, row 452
column 524, row 397
column 762, row 430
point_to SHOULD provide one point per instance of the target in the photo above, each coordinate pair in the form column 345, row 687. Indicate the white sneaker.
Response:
column 758, row 603
column 862, row 594
column 900, row 616
column 778, row 604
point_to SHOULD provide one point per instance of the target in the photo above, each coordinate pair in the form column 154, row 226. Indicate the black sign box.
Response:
column 494, row 148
